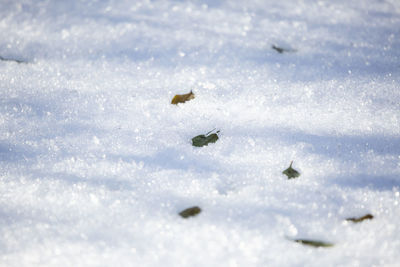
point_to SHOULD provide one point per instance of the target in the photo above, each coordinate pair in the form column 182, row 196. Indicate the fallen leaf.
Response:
column 313, row 243
column 182, row 98
column 204, row 140
column 190, row 212
column 360, row 219
column 10, row 59
column 290, row 172
column 281, row 50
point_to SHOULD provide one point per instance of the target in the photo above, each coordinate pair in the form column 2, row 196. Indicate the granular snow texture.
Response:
column 96, row 164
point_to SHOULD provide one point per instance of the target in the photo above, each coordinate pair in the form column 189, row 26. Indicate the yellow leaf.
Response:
column 182, row 98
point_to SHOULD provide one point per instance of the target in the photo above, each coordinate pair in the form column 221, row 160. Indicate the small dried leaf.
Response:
column 314, row 243
column 182, row 98
column 360, row 219
column 189, row 212
column 290, row 172
column 281, row 50
column 203, row 140
column 10, row 59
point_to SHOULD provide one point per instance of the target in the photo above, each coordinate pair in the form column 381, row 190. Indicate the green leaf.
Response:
column 290, row 172
column 314, row 243
column 360, row 219
column 190, row 212
column 203, row 140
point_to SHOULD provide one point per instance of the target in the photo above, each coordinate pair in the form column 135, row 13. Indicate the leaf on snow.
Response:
column 190, row 212
column 290, row 172
column 281, row 50
column 203, row 140
column 182, row 98
column 360, row 219
column 10, row 59
column 313, row 243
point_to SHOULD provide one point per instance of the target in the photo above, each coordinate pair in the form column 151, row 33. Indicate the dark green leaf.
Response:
column 314, row 243
column 203, row 140
column 189, row 212
column 360, row 219
column 290, row 172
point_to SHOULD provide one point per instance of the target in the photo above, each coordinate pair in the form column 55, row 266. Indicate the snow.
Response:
column 96, row 164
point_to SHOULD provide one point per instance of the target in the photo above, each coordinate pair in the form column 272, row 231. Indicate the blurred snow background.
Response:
column 95, row 163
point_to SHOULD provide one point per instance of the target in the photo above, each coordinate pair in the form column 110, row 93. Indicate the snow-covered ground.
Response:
column 96, row 164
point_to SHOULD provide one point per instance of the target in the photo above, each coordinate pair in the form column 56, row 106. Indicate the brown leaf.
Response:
column 182, row 98
column 360, row 219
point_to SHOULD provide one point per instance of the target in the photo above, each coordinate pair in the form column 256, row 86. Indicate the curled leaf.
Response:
column 203, row 140
column 314, row 243
column 182, row 98
column 190, row 212
column 290, row 172
column 360, row 219
column 281, row 50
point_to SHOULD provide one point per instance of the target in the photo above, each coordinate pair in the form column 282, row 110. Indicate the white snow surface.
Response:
column 96, row 164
